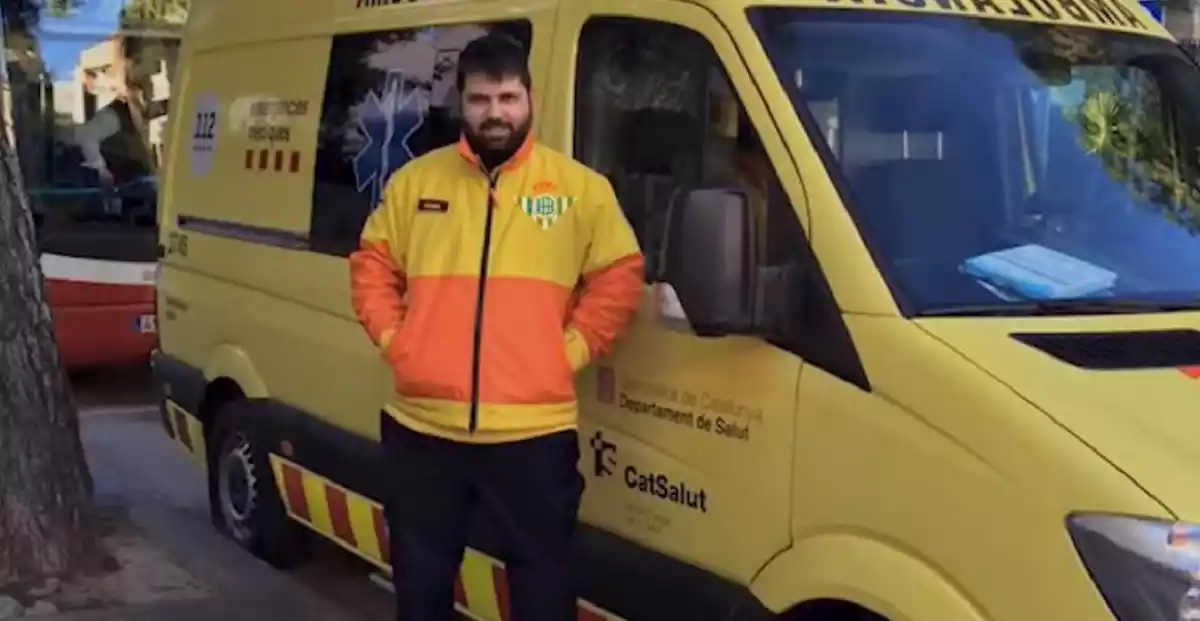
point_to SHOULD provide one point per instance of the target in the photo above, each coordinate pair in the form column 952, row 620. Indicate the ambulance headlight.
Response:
column 1147, row 570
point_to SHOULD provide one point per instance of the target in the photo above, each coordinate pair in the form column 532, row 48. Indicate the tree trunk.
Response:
column 45, row 486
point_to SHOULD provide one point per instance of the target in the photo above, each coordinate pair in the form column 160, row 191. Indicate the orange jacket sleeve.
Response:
column 377, row 280
column 611, row 287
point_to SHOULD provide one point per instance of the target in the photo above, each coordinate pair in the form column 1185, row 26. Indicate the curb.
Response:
column 176, row 610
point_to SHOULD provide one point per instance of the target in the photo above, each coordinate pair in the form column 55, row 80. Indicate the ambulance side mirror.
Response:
column 707, row 261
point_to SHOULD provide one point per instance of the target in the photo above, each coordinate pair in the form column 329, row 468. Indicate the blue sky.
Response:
column 62, row 39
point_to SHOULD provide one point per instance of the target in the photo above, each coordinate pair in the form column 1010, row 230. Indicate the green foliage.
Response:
column 22, row 17
column 1120, row 121
column 153, row 14
column 1123, row 120
column 135, row 14
column 56, row 8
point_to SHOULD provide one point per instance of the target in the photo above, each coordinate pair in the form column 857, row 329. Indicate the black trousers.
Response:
column 529, row 490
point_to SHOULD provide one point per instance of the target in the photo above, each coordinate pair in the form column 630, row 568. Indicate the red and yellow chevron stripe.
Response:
column 357, row 524
column 187, row 430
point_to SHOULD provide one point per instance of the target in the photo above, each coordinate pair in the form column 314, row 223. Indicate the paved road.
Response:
column 135, row 465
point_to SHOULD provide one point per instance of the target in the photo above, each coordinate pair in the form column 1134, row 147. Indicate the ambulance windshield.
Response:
column 991, row 162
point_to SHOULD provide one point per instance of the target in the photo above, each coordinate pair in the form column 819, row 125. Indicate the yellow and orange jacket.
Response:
column 487, row 294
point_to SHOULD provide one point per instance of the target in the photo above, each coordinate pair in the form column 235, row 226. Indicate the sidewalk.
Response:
column 162, row 492
column 244, row 589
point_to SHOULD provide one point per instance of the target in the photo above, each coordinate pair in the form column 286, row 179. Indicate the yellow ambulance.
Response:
column 919, row 336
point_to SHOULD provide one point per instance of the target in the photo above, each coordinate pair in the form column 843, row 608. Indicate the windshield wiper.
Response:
column 1065, row 307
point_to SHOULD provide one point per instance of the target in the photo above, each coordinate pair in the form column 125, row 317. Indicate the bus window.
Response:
column 86, row 105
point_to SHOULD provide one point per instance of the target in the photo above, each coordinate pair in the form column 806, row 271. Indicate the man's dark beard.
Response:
column 491, row 158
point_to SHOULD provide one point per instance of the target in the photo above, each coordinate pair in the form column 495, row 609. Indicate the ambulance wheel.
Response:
column 243, row 497
column 830, row 610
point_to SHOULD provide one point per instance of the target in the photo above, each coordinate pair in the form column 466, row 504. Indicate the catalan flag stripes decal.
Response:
column 359, row 525
column 274, row 160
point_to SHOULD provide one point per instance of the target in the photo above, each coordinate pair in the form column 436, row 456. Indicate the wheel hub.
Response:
column 238, row 486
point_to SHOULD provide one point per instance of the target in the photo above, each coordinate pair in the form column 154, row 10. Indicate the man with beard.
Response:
column 491, row 272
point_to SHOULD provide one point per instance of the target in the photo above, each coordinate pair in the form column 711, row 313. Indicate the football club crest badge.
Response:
column 545, row 209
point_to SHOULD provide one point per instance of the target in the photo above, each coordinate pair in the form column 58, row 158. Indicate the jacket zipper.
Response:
column 473, row 421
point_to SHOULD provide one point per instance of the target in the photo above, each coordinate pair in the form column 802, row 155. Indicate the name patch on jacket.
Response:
column 433, row 204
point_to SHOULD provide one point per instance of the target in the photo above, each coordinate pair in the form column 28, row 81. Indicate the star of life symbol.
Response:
column 545, row 209
column 387, row 120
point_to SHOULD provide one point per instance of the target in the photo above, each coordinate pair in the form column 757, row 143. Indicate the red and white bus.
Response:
column 99, row 281
column 86, row 100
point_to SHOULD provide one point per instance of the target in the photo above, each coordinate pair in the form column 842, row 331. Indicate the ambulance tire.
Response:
column 830, row 610
column 243, row 496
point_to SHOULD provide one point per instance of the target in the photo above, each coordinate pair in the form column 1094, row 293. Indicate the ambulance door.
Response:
column 687, row 441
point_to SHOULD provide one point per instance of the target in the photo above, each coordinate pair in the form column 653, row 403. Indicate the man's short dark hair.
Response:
column 496, row 55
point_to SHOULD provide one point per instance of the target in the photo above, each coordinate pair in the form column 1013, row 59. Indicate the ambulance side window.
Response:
column 656, row 114
column 390, row 96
